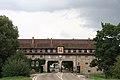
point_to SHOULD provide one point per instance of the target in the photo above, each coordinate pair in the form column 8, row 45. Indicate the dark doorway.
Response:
column 78, row 69
column 41, row 69
column 53, row 66
column 67, row 66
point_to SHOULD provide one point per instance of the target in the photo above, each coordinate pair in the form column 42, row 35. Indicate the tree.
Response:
column 16, row 65
column 8, row 39
column 116, row 68
column 107, row 47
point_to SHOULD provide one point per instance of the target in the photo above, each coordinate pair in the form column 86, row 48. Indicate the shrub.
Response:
column 116, row 68
column 16, row 65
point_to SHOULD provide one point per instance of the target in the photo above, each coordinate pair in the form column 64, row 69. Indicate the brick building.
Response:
column 78, row 51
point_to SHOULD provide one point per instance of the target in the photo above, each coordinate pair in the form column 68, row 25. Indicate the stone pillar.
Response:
column 60, row 65
column 46, row 66
column 74, row 66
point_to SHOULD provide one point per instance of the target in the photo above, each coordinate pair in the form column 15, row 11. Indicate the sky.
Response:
column 60, row 19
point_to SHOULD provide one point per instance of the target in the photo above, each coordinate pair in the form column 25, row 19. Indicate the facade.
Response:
column 79, row 51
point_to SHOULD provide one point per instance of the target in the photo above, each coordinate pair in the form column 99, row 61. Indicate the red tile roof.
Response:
column 54, row 43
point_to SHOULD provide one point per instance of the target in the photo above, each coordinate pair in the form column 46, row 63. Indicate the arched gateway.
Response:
column 61, row 52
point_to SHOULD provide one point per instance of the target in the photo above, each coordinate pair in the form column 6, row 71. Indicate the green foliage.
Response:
column 116, row 68
column 8, row 39
column 107, row 47
column 16, row 78
column 16, row 65
column 100, row 77
column 37, row 63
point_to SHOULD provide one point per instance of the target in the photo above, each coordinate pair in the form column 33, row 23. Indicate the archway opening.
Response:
column 53, row 66
column 67, row 66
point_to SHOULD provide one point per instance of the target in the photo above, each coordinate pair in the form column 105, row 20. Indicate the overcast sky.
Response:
column 64, row 19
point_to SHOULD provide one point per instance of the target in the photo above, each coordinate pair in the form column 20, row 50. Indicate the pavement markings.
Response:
column 34, row 78
column 60, row 75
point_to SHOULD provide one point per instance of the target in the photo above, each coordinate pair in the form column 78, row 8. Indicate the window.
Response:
column 33, row 50
column 80, row 51
column 86, row 63
column 38, row 50
column 67, row 56
column 85, row 51
column 54, row 50
column 63, row 57
column 43, row 50
column 71, row 51
column 25, row 50
column 28, row 50
column 49, row 56
column 93, row 51
column 89, row 71
column 97, row 69
column 17, row 50
column 41, row 56
column 60, row 56
column 66, row 51
column 56, row 56
column 48, row 50
column 32, row 63
column 32, row 56
column 90, row 51
column 37, row 63
column 77, row 51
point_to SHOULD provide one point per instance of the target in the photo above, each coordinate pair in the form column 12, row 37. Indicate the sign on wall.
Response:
column 60, row 50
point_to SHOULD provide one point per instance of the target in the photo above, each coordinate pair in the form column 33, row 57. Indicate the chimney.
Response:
column 51, row 43
column 88, row 38
column 33, row 41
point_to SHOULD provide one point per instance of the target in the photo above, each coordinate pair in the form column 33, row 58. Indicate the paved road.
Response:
column 59, row 76
column 47, row 76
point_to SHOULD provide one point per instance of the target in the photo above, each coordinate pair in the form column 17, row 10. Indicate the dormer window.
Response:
column 43, row 50
column 54, row 50
column 71, row 51
column 28, row 50
column 33, row 50
column 48, row 50
column 88, row 51
column 38, row 50
column 66, row 51
column 77, row 51
column 85, row 51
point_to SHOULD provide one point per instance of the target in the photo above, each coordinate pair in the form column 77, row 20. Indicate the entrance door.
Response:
column 41, row 69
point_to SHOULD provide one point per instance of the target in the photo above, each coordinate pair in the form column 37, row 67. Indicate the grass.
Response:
column 99, row 77
column 16, row 78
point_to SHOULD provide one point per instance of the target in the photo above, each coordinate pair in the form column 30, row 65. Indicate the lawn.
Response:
column 16, row 78
column 99, row 77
